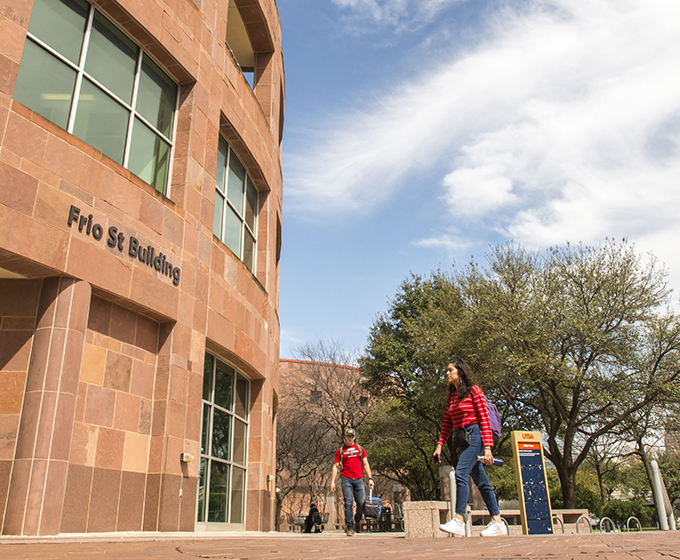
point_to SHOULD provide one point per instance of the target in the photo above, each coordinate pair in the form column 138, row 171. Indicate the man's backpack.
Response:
column 494, row 419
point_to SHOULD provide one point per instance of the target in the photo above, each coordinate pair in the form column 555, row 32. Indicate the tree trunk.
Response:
column 600, row 482
column 568, row 484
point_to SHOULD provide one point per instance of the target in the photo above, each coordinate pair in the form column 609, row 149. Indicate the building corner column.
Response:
column 38, row 483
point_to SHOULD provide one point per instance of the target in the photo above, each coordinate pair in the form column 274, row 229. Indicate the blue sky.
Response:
column 420, row 132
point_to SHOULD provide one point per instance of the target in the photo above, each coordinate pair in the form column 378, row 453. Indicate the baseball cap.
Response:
column 350, row 432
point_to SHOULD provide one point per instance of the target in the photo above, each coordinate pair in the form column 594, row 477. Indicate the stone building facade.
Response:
column 140, row 234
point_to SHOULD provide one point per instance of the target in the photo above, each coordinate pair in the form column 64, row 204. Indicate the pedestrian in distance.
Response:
column 309, row 521
column 352, row 462
column 466, row 412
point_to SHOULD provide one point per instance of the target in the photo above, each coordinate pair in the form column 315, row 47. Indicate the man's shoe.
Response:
column 455, row 527
column 495, row 529
column 350, row 532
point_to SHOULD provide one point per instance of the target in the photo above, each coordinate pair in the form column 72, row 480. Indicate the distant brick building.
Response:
column 140, row 232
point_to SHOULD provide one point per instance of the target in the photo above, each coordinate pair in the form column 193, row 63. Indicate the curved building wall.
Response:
column 139, row 331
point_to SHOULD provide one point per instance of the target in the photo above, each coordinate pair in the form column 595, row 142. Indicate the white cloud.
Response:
column 564, row 123
column 478, row 190
column 448, row 242
column 394, row 12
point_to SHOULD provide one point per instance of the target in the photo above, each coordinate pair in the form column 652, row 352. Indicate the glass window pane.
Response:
column 251, row 207
column 239, row 454
column 241, row 406
column 149, row 156
column 232, row 231
column 221, row 164
column 111, row 58
column 249, row 251
column 202, row 475
column 101, row 121
column 236, row 180
column 217, row 215
column 223, row 385
column 237, row 494
column 61, row 25
column 221, row 435
column 205, row 430
column 219, row 487
column 156, row 96
column 207, row 377
column 45, row 84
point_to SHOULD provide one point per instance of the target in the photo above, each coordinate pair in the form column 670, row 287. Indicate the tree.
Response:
column 577, row 341
column 303, row 446
column 605, row 458
column 630, row 480
column 400, row 449
column 669, row 465
column 330, row 387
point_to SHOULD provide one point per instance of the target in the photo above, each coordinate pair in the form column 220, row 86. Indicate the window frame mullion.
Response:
column 81, row 69
column 133, row 109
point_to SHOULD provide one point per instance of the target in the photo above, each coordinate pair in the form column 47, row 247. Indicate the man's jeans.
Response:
column 353, row 488
column 468, row 466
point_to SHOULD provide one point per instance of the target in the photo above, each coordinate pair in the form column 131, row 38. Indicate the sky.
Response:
column 420, row 133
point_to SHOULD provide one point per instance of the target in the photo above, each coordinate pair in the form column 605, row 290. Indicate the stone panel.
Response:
column 131, row 505
column 151, row 502
column 5, row 470
column 104, row 500
column 77, row 499
column 169, row 503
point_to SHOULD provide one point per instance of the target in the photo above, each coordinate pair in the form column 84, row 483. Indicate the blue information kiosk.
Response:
column 532, row 483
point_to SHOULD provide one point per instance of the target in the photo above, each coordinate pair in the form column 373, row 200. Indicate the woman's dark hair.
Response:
column 466, row 377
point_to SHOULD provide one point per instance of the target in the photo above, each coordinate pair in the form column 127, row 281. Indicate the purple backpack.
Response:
column 494, row 420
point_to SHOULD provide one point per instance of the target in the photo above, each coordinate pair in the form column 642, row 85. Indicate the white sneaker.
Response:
column 455, row 527
column 495, row 529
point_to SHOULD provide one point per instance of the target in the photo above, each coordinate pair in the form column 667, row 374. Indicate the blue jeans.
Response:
column 468, row 466
column 353, row 491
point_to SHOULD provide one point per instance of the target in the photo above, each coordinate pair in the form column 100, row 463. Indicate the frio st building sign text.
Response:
column 116, row 240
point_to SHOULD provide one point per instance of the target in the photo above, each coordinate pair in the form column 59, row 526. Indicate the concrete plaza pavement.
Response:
column 645, row 545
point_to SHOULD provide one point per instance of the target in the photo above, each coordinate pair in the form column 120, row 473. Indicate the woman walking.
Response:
column 467, row 413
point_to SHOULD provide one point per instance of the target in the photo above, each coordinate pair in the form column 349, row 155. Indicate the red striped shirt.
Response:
column 461, row 413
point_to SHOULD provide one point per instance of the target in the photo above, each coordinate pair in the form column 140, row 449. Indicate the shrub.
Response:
column 620, row 510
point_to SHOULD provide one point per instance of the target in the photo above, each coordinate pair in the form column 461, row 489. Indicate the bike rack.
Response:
column 632, row 517
column 611, row 524
column 561, row 522
column 587, row 520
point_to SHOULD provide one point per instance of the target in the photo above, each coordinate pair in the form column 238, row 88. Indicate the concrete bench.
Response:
column 422, row 519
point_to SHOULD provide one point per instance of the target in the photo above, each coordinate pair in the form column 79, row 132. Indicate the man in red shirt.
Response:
column 352, row 459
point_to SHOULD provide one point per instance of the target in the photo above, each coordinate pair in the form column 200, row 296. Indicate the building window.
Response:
column 224, row 437
column 315, row 397
column 82, row 73
column 236, row 203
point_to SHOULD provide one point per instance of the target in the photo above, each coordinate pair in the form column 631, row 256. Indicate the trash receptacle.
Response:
column 385, row 521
